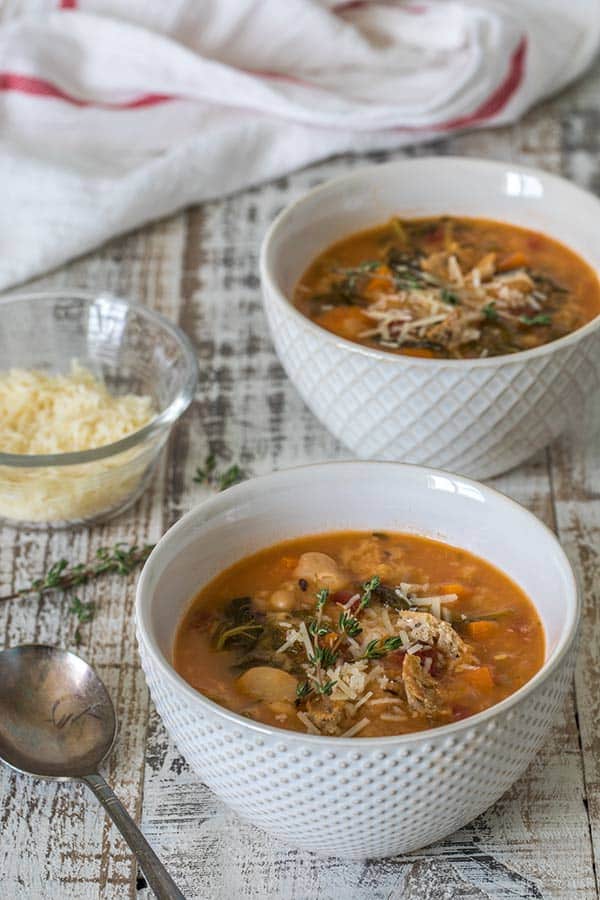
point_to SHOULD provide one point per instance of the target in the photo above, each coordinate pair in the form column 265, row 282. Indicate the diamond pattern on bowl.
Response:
column 257, row 774
column 479, row 420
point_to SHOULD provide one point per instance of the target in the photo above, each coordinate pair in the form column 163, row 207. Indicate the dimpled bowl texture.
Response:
column 130, row 349
column 475, row 416
column 383, row 795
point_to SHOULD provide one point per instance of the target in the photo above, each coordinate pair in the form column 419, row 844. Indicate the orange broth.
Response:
column 449, row 288
column 473, row 635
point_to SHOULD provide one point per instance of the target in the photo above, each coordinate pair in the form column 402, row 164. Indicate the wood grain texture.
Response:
column 541, row 840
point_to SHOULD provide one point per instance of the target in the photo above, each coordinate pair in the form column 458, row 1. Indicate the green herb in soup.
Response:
column 359, row 633
column 449, row 288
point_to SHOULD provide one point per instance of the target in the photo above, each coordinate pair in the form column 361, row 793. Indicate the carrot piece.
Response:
column 516, row 260
column 418, row 351
column 482, row 629
column 379, row 283
column 481, row 678
column 347, row 321
column 455, row 587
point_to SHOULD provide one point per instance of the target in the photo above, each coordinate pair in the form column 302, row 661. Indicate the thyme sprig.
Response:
column 368, row 588
column 120, row 559
column 326, row 656
column 207, row 474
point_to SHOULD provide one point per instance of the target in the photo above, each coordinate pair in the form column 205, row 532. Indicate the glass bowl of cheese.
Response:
column 90, row 387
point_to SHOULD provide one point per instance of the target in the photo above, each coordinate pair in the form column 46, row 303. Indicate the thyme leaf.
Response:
column 323, row 657
column 318, row 629
column 203, row 473
column 349, row 625
column 84, row 612
column 327, row 687
column 232, row 475
column 449, row 297
column 368, row 588
column 539, row 319
column 303, row 689
column 207, row 474
column 378, row 648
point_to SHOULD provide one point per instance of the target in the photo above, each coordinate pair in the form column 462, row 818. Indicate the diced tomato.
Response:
column 435, row 236
column 535, row 242
column 342, row 597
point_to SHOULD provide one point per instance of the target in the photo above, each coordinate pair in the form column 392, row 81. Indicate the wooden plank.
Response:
column 576, row 480
column 76, row 853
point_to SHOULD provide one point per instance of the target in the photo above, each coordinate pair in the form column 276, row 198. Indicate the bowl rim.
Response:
column 222, row 501
column 167, row 417
column 268, row 278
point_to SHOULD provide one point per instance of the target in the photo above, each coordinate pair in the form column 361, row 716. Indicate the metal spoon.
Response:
column 57, row 722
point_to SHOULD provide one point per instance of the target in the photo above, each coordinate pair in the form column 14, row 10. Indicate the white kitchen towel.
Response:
column 117, row 112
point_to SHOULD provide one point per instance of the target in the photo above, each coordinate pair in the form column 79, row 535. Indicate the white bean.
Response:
column 282, row 600
column 321, row 569
column 267, row 683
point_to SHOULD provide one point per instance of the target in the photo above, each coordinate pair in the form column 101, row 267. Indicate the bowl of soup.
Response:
column 439, row 311
column 360, row 634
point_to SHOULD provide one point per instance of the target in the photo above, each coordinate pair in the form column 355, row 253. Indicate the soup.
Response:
column 449, row 288
column 355, row 633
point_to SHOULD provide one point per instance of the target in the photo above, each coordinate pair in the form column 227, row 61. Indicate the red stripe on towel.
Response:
column 26, row 84
column 498, row 100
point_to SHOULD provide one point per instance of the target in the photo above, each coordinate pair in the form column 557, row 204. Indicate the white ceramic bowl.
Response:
column 382, row 795
column 479, row 417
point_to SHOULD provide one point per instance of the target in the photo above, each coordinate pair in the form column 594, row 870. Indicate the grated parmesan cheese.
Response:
column 42, row 414
column 308, row 723
column 356, row 728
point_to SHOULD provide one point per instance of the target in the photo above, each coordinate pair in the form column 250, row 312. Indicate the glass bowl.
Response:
column 133, row 350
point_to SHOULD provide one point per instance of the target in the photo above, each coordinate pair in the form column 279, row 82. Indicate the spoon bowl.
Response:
column 57, row 721
column 56, row 717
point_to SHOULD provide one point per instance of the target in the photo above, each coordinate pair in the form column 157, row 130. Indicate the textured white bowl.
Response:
column 382, row 795
column 479, row 417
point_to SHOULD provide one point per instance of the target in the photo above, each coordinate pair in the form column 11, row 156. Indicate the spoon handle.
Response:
column 157, row 876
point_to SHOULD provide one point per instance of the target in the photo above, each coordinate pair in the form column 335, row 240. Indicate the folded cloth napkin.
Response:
column 117, row 112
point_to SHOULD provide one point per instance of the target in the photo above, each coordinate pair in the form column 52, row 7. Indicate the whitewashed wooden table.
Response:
column 541, row 840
